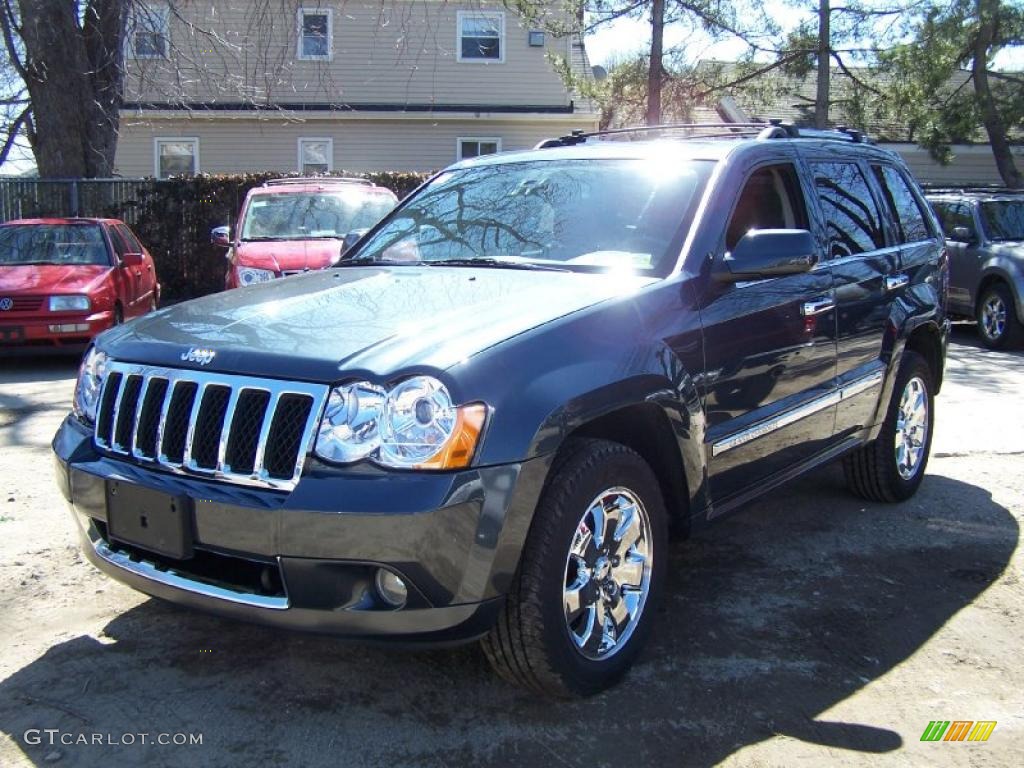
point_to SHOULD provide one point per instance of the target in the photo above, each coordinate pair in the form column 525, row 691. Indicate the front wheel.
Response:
column 891, row 467
column 584, row 597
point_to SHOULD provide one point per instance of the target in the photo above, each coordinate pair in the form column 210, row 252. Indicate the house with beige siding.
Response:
column 314, row 86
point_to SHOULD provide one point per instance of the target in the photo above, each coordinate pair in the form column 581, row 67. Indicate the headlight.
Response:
column 415, row 425
column 69, row 303
column 90, row 384
column 250, row 275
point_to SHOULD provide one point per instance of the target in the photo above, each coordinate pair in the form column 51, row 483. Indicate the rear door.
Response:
column 769, row 345
column 865, row 264
column 964, row 256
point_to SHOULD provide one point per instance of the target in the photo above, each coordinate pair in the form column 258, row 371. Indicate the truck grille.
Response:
column 236, row 428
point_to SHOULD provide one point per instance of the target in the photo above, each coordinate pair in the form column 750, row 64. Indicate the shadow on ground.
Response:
column 28, row 391
column 771, row 618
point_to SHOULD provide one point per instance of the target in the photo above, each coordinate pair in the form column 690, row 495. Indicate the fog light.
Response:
column 391, row 588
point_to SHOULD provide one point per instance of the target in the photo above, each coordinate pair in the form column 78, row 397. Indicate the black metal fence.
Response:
column 26, row 198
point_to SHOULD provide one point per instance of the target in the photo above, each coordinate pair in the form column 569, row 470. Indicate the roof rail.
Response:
column 774, row 128
column 316, row 180
column 992, row 189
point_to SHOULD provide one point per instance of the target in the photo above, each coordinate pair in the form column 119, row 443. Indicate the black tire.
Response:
column 1012, row 334
column 872, row 471
column 530, row 645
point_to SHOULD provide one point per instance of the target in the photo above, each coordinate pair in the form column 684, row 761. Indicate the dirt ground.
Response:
column 809, row 629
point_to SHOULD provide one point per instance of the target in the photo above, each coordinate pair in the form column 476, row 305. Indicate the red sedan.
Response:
column 62, row 281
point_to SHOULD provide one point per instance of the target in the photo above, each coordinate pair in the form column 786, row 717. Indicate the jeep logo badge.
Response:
column 198, row 355
column 6, row 303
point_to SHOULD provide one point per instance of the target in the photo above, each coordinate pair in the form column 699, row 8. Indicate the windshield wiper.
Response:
column 495, row 263
column 365, row 261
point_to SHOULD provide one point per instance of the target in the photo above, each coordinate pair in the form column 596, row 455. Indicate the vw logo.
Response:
column 198, row 355
column 6, row 303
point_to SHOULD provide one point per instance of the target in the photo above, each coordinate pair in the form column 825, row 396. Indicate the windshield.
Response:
column 52, row 244
column 583, row 215
column 309, row 215
column 1003, row 219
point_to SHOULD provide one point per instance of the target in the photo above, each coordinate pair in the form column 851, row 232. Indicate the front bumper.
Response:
column 305, row 559
column 53, row 330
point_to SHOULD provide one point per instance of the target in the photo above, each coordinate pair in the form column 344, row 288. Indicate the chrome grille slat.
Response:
column 148, row 403
column 140, row 404
column 225, row 430
column 261, row 445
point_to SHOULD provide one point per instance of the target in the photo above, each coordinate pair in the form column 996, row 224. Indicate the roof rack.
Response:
column 774, row 128
column 316, row 180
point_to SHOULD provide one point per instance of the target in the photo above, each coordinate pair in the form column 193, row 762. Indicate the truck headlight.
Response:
column 251, row 275
column 414, row 425
column 69, row 304
column 90, row 385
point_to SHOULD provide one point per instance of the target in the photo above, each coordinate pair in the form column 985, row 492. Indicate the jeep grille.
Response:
column 241, row 429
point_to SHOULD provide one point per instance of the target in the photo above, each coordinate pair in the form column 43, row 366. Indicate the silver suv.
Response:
column 985, row 237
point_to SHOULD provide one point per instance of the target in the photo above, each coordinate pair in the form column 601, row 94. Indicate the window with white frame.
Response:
column 474, row 146
column 148, row 32
column 176, row 157
column 481, row 36
column 315, row 33
column 315, row 156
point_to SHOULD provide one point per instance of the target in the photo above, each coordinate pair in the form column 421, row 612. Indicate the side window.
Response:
column 906, row 212
column 851, row 215
column 131, row 242
column 771, row 199
column 953, row 215
column 120, row 248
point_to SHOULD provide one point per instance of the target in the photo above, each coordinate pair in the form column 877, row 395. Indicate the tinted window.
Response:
column 1003, row 219
column 851, row 216
column 953, row 215
column 906, row 213
column 584, row 215
column 52, row 244
column 130, row 241
column 771, row 199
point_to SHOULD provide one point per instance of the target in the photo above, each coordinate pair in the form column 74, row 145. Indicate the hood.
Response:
column 1010, row 248
column 51, row 278
column 376, row 321
column 287, row 255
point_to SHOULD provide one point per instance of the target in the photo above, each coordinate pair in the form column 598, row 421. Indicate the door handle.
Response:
column 818, row 306
column 895, row 282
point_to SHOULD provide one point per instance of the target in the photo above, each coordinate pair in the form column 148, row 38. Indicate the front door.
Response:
column 769, row 348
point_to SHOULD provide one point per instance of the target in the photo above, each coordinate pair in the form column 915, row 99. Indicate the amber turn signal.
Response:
column 458, row 450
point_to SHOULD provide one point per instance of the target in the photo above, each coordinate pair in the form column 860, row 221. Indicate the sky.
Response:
column 626, row 36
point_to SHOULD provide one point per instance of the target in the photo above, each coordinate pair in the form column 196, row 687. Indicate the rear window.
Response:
column 854, row 221
column 313, row 215
column 23, row 244
column 906, row 211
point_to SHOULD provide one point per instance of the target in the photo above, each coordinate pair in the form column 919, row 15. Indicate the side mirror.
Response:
column 962, row 234
column 351, row 238
column 768, row 253
column 132, row 260
column 221, row 236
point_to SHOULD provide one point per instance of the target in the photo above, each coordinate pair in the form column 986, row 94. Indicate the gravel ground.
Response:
column 809, row 628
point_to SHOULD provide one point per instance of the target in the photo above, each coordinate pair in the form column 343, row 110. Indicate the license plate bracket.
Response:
column 153, row 520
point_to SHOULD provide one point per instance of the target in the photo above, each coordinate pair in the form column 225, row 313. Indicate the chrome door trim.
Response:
column 784, row 419
column 817, row 306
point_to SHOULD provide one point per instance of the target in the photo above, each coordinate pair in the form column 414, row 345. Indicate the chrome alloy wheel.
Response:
column 993, row 317
column 608, row 573
column 911, row 428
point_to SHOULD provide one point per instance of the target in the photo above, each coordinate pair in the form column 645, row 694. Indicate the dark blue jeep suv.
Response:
column 482, row 421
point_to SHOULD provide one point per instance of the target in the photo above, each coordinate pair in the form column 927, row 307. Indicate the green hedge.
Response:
column 173, row 218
